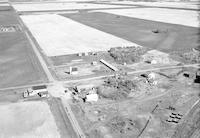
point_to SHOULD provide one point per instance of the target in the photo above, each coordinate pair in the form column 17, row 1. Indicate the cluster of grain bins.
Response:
column 58, row 35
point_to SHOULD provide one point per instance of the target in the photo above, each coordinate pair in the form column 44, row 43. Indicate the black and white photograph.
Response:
column 99, row 68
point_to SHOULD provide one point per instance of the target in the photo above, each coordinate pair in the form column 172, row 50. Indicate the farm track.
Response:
column 133, row 72
column 21, row 87
column 72, row 118
column 63, row 113
column 67, row 108
column 104, row 76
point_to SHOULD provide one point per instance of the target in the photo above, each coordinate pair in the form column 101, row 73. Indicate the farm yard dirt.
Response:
column 146, row 105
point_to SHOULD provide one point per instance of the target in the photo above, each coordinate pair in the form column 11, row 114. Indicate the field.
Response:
column 19, row 65
column 58, row 35
column 62, row 6
column 171, row 37
column 27, row 119
column 177, row 5
column 148, row 95
column 172, row 16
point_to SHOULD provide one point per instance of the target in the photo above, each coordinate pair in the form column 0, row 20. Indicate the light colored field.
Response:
column 4, row 4
column 27, row 120
column 173, row 16
column 2, row 1
column 187, row 5
column 58, row 35
column 61, row 6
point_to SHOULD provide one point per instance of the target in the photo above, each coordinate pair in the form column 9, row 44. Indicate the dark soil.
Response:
column 171, row 37
column 18, row 63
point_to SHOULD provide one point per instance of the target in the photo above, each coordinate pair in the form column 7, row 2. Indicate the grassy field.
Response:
column 171, row 37
column 19, row 65
column 27, row 119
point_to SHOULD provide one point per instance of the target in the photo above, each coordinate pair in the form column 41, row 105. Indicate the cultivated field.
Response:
column 185, row 5
column 173, row 16
column 170, row 37
column 27, row 120
column 18, row 63
column 58, row 35
column 4, row 4
column 63, row 6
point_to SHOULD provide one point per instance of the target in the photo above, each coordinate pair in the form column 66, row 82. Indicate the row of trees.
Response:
column 127, row 55
column 188, row 56
column 117, row 88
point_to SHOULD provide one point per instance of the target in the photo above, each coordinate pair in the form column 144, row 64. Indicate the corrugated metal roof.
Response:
column 39, row 87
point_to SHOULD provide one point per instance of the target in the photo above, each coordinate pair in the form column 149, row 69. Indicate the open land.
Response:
column 148, row 87
column 62, row 6
column 19, row 65
column 27, row 119
column 58, row 35
column 166, row 4
column 172, row 16
column 172, row 37
column 122, row 30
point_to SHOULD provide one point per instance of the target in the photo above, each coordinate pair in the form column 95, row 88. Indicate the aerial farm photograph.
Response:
column 99, row 68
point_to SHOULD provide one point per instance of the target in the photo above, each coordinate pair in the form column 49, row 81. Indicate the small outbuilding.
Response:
column 73, row 70
column 92, row 97
column 94, row 63
column 152, row 76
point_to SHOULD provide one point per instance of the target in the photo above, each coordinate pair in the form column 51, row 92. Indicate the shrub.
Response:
column 117, row 88
column 127, row 54
column 188, row 56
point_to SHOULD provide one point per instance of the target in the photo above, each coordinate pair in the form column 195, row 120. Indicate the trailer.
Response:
column 40, row 91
